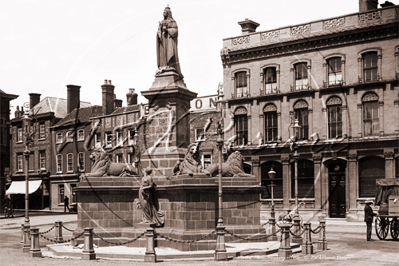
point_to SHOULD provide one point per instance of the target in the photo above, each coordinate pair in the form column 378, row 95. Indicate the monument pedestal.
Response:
column 190, row 204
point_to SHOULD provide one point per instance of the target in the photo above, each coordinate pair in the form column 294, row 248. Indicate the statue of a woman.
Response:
column 148, row 201
column 167, row 57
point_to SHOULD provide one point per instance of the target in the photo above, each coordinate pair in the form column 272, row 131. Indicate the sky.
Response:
column 48, row 44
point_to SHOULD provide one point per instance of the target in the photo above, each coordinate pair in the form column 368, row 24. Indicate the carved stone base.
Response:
column 168, row 79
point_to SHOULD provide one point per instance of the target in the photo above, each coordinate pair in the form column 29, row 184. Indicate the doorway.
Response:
column 337, row 195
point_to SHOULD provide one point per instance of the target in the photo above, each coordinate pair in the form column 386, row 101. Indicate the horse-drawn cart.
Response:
column 387, row 197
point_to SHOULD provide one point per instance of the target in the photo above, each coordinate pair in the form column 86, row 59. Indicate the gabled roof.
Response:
column 80, row 115
column 56, row 105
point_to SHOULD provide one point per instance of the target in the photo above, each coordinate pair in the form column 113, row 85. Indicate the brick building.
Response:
column 43, row 114
column 338, row 77
column 5, row 137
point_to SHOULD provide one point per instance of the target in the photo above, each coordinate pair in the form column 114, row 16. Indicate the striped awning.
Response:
column 19, row 187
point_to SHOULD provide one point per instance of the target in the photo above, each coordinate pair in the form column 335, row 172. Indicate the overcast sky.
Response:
column 47, row 44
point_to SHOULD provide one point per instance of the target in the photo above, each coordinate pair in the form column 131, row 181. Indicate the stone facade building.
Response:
column 338, row 77
column 5, row 139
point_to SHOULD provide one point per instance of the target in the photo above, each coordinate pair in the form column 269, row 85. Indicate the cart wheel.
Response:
column 381, row 227
column 394, row 228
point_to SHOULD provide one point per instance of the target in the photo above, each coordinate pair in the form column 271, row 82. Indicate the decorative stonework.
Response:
column 255, row 161
column 370, row 97
column 270, row 36
column 335, row 100
column 334, row 156
column 270, row 108
column 240, row 111
column 285, row 159
column 301, row 104
column 317, row 158
column 333, row 23
column 359, row 106
column 352, row 156
column 241, row 40
column 300, row 29
column 370, row 17
column 389, row 155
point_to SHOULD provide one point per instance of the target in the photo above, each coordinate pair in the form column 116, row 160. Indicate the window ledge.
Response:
column 270, row 200
column 41, row 139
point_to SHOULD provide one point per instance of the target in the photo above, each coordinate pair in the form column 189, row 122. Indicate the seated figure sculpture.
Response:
column 233, row 167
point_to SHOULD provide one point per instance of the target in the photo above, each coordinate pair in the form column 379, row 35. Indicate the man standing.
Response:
column 368, row 218
column 66, row 203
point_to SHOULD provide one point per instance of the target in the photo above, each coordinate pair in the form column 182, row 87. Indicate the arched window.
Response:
column 305, row 179
column 334, row 70
column 241, row 126
column 301, row 76
column 371, row 123
column 301, row 113
column 69, row 162
column 81, row 134
column 277, row 181
column 334, row 106
column 370, row 169
column 58, row 138
column 270, row 114
column 370, row 66
column 59, row 163
column 241, row 85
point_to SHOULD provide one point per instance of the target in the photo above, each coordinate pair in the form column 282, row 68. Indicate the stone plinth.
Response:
column 190, row 204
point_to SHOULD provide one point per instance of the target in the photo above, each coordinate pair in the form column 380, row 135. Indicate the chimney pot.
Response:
column 34, row 98
column 248, row 26
column 131, row 97
column 367, row 5
column 108, row 98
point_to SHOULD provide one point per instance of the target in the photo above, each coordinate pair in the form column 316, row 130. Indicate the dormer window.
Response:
column 58, row 138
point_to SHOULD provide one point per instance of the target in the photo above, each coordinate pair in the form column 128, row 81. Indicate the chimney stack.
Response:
column 34, row 98
column 248, row 26
column 108, row 97
column 118, row 103
column 131, row 97
column 367, row 5
column 73, row 97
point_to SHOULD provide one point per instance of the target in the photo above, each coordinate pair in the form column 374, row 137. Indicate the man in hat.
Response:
column 368, row 218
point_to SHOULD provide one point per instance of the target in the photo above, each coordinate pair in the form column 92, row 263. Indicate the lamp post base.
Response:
column 220, row 252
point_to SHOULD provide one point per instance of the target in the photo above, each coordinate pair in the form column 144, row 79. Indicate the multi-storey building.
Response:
column 5, row 99
column 42, row 116
column 338, row 78
column 71, row 158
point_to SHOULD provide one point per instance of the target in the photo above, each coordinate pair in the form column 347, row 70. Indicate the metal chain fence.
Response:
column 48, row 231
column 186, row 241
column 316, row 230
column 62, row 241
column 120, row 243
column 251, row 237
column 70, row 230
column 265, row 223
column 296, row 234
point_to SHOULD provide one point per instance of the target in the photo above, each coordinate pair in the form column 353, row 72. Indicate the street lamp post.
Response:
column 28, row 139
column 296, row 130
column 220, row 252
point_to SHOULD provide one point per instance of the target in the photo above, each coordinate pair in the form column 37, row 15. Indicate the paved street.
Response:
column 346, row 246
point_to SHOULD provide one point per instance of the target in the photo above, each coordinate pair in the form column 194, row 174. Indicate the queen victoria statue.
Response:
column 167, row 57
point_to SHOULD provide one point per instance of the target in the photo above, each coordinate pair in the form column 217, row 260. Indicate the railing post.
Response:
column 22, row 234
column 88, row 249
column 322, row 243
column 58, row 231
column 150, row 255
column 272, row 222
column 297, row 229
column 285, row 250
column 26, row 246
column 307, row 248
column 35, row 246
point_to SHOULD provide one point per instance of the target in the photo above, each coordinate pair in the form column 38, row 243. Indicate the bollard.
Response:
column 58, row 231
column 307, row 247
column 150, row 255
column 22, row 234
column 297, row 229
column 285, row 250
column 88, row 249
column 272, row 222
column 35, row 246
column 26, row 245
column 322, row 243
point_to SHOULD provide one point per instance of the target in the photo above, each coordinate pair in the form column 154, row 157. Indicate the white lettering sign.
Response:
column 204, row 103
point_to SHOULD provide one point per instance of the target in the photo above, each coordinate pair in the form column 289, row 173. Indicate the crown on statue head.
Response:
column 167, row 8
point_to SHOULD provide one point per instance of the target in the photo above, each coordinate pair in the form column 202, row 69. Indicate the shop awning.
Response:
column 18, row 187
